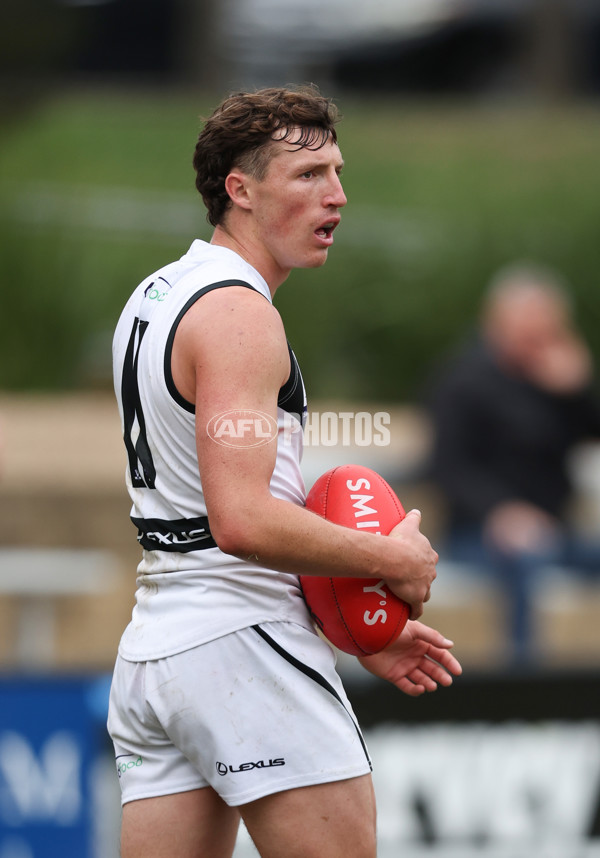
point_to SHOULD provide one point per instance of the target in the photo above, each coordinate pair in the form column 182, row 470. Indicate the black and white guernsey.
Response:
column 188, row 590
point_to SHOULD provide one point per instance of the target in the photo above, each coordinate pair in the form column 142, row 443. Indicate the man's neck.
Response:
column 273, row 276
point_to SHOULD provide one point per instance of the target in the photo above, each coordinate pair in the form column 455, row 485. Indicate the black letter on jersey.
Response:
column 140, row 457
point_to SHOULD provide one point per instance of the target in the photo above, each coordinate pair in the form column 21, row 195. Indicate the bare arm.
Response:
column 230, row 353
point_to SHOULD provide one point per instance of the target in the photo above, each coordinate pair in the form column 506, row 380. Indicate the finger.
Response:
column 421, row 678
column 411, row 520
column 408, row 687
column 443, row 666
column 439, row 676
column 416, row 610
column 446, row 659
column 431, row 636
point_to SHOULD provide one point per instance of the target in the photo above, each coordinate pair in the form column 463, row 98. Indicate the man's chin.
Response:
column 318, row 260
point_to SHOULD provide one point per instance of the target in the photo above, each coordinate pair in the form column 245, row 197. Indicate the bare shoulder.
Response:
column 232, row 331
column 230, row 311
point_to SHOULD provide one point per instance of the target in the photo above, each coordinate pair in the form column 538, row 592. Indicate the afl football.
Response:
column 360, row 616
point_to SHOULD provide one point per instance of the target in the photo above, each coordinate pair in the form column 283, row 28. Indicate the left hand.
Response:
column 418, row 661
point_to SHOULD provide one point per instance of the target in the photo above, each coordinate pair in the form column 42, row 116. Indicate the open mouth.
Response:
column 326, row 230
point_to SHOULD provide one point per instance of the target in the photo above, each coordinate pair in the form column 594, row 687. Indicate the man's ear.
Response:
column 236, row 185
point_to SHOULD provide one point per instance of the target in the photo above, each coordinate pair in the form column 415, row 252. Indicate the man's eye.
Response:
column 308, row 174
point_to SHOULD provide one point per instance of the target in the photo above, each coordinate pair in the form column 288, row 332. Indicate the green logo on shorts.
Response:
column 128, row 761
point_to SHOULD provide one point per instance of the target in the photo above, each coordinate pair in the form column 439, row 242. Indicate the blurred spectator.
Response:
column 507, row 410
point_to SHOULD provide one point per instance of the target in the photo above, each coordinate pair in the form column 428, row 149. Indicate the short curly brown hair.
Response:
column 240, row 130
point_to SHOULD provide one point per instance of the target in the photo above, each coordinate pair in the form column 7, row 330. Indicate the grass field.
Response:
column 96, row 190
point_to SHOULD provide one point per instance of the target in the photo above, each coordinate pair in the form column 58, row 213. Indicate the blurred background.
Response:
column 471, row 135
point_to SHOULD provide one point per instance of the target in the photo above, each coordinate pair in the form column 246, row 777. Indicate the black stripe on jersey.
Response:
column 179, row 399
column 141, row 464
column 291, row 395
column 182, row 535
column 314, row 675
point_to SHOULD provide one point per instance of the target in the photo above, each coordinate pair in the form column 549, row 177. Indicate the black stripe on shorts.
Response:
column 316, row 677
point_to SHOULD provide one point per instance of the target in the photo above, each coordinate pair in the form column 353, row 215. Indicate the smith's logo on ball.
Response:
column 380, row 615
column 360, row 504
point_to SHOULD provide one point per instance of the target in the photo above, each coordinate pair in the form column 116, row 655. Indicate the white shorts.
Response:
column 249, row 714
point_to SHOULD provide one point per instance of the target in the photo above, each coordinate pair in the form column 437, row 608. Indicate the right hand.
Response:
column 563, row 366
column 416, row 571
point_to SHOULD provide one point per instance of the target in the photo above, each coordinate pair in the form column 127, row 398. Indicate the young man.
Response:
column 225, row 703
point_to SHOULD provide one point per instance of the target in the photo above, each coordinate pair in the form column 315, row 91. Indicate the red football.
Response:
column 359, row 616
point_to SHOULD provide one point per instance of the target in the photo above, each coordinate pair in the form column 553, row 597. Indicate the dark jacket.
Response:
column 498, row 437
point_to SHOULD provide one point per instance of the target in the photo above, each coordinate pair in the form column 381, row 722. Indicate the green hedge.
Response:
column 96, row 190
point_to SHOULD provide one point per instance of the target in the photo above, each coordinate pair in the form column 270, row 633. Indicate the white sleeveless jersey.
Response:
column 188, row 590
